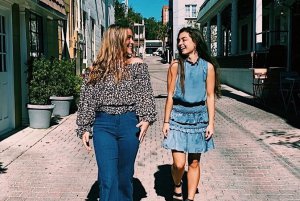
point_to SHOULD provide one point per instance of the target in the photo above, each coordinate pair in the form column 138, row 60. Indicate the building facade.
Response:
column 28, row 29
column 50, row 28
column 87, row 21
column 247, row 34
column 181, row 14
column 165, row 15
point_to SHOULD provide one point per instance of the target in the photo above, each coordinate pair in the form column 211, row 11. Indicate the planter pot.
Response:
column 62, row 105
column 40, row 115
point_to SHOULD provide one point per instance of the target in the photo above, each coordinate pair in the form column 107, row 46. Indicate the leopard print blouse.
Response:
column 131, row 94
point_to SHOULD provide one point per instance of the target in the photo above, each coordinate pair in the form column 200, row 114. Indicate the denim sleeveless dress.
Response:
column 189, row 117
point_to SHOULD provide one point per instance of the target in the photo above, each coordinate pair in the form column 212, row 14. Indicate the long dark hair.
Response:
column 203, row 53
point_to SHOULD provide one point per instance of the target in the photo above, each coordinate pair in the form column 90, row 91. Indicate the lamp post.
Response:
column 137, row 25
column 138, row 39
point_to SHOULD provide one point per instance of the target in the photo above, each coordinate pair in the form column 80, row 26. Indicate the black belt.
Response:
column 180, row 102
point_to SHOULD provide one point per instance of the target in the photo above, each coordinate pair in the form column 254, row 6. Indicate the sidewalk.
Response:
column 256, row 157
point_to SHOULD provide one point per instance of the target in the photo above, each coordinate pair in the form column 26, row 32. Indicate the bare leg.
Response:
column 193, row 174
column 177, row 170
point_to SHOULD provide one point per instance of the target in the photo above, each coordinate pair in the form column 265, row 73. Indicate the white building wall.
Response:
column 96, row 10
column 179, row 18
column 111, row 12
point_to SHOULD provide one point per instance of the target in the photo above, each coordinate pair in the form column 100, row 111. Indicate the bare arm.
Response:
column 210, row 86
column 171, row 81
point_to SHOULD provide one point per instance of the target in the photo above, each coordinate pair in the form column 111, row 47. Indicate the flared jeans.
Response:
column 116, row 144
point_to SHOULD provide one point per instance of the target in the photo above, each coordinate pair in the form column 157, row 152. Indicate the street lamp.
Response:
column 137, row 25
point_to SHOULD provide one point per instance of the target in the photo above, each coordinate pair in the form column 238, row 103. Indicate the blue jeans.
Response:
column 116, row 144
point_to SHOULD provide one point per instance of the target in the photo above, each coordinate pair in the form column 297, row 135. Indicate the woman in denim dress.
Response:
column 190, row 108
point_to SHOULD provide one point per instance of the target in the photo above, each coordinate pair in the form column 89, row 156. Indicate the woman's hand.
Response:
column 86, row 140
column 209, row 131
column 165, row 129
column 143, row 125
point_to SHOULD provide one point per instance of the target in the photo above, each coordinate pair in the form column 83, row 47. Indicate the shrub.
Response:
column 39, row 86
column 51, row 78
column 64, row 81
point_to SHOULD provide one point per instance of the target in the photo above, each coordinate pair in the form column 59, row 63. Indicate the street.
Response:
column 256, row 157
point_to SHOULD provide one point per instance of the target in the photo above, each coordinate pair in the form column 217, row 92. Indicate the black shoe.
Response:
column 189, row 200
column 177, row 196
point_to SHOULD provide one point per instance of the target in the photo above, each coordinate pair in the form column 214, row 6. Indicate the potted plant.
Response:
column 39, row 88
column 65, row 86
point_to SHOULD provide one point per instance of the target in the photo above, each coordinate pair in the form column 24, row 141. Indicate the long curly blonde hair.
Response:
column 112, row 55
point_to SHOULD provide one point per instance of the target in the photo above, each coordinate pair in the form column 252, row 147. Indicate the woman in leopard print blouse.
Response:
column 116, row 105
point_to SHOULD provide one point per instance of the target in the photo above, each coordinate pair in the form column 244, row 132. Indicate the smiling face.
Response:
column 185, row 44
column 129, row 42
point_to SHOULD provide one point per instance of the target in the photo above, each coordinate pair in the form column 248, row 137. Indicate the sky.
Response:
column 148, row 8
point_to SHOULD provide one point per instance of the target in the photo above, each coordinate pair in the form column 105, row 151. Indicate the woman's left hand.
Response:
column 209, row 131
column 143, row 125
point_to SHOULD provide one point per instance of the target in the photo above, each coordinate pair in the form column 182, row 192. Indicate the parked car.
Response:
column 156, row 53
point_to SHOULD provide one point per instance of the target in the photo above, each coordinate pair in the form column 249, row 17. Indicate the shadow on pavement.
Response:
column 2, row 169
column 295, row 145
column 163, row 183
column 94, row 192
column 271, row 106
column 55, row 120
column 139, row 191
column 161, row 96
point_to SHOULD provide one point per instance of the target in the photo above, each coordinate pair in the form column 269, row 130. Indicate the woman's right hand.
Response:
column 165, row 129
column 86, row 140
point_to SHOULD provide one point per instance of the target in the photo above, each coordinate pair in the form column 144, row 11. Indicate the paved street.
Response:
column 256, row 157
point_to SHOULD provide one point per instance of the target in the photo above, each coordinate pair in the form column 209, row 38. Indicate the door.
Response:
column 5, row 88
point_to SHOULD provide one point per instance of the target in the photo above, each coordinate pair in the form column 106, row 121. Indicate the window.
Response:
column 61, row 39
column 190, row 11
column 2, row 45
column 244, row 37
column 35, row 35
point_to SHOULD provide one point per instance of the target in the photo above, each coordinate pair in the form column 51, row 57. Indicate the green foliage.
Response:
column 131, row 18
column 152, row 28
column 162, row 31
column 120, row 14
column 38, row 80
column 52, row 77
column 155, row 30
column 64, row 82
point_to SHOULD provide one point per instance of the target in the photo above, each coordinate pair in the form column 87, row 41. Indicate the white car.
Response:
column 156, row 53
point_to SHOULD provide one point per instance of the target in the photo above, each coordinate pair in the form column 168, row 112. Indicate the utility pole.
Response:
column 138, row 39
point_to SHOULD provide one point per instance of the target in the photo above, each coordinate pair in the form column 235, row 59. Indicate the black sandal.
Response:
column 189, row 200
column 177, row 196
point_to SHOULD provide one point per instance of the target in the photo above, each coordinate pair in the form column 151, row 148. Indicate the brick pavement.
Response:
column 256, row 157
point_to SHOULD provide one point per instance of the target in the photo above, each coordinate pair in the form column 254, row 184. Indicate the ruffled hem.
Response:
column 196, row 151
column 182, row 141
column 188, row 138
column 192, row 115
column 187, row 144
column 188, row 129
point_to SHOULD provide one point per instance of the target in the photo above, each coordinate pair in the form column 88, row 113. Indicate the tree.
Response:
column 155, row 30
column 131, row 18
column 162, row 31
column 151, row 27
